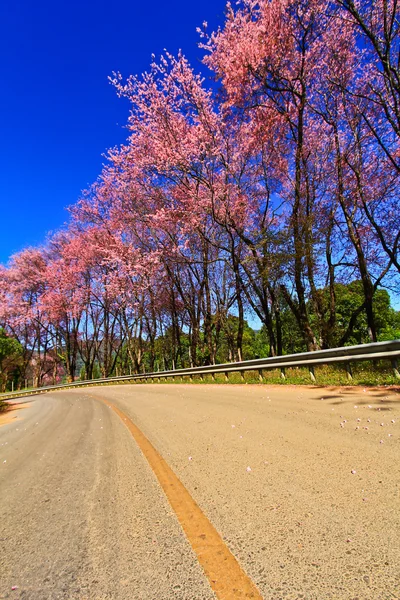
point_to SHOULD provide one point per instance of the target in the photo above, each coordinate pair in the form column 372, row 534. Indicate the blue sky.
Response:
column 58, row 113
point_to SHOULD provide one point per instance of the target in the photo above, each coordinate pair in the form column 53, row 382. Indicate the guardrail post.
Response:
column 349, row 372
column 344, row 356
column 260, row 376
column 395, row 369
column 242, row 376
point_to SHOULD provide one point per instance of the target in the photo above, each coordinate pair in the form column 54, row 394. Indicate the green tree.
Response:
column 10, row 357
column 227, row 342
column 348, row 298
column 390, row 330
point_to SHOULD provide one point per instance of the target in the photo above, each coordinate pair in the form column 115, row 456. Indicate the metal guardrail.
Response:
column 346, row 355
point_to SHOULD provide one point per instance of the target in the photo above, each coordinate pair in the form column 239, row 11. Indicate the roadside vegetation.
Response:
column 10, row 359
column 270, row 197
column 363, row 374
column 167, row 353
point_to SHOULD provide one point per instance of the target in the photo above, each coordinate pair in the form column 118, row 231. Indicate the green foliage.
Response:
column 391, row 329
column 261, row 343
column 9, row 347
column 363, row 373
column 166, row 352
column 226, row 350
column 96, row 371
column 10, row 357
column 292, row 339
column 348, row 299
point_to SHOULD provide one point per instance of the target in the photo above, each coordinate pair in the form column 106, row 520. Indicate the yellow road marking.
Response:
column 225, row 575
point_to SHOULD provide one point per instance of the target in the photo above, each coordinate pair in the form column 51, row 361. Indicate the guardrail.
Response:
column 345, row 355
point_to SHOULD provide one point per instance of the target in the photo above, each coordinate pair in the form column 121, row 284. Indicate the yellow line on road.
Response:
column 225, row 575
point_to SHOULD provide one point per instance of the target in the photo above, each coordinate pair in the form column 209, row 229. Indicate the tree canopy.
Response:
column 273, row 193
column 10, row 356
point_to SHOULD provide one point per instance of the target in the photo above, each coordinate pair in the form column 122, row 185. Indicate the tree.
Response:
column 274, row 192
column 10, row 357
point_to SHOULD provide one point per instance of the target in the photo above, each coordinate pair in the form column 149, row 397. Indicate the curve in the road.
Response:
column 225, row 575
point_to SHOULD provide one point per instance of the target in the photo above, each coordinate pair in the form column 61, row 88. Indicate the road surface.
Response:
column 302, row 484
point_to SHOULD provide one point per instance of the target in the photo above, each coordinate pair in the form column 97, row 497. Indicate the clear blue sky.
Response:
column 58, row 113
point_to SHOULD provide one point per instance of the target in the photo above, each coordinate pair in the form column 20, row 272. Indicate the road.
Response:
column 302, row 484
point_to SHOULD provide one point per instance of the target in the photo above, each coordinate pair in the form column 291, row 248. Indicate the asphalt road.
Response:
column 302, row 484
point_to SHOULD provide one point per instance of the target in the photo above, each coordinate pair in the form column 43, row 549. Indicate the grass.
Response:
column 363, row 373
